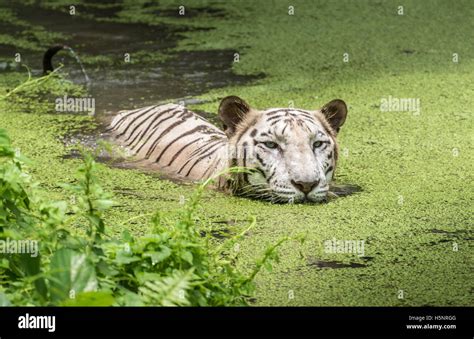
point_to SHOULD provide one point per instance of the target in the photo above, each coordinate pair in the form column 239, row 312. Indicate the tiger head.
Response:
column 291, row 153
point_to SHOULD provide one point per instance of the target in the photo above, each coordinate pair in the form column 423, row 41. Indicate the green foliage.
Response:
column 70, row 271
column 13, row 197
column 173, row 266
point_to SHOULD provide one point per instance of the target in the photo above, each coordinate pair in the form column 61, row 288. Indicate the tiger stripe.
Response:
column 172, row 138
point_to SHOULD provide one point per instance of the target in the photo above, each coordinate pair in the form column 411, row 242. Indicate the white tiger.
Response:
column 291, row 153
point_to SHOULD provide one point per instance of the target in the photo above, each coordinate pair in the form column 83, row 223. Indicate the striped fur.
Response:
column 175, row 140
column 291, row 153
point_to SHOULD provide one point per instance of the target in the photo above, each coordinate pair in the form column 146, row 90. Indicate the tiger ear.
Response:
column 335, row 113
column 231, row 112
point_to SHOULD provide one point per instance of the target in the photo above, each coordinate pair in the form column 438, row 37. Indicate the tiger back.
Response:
column 173, row 139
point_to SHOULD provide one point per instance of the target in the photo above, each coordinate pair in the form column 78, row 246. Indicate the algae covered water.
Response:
column 402, row 234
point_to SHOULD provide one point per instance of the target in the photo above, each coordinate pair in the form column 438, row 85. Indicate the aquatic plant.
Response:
column 173, row 265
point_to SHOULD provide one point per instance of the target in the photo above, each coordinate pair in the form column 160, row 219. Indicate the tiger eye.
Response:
column 317, row 144
column 270, row 144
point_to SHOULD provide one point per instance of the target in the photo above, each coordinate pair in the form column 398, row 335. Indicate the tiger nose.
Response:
column 305, row 186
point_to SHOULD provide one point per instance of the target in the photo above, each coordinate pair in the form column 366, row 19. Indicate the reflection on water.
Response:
column 163, row 75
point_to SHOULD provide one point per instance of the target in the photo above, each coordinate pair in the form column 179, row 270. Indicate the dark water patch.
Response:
column 223, row 233
column 450, row 233
column 72, row 154
column 100, row 38
column 229, row 221
column 191, row 12
column 105, row 10
column 313, row 262
column 183, row 75
column 451, row 236
column 434, row 243
column 7, row 52
column 252, row 300
column 408, row 51
column 154, row 74
column 464, row 234
column 10, row 29
column 367, row 258
column 343, row 190
column 137, row 195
